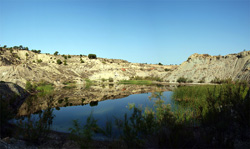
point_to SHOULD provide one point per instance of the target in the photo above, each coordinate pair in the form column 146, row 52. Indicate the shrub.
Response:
column 182, row 80
column 69, row 56
column 92, row 56
column 167, row 69
column 190, row 81
column 82, row 61
column 202, row 80
column 28, row 86
column 56, row 53
column 39, row 61
column 59, row 61
column 111, row 80
column 160, row 64
column 36, row 51
column 64, row 62
column 27, row 54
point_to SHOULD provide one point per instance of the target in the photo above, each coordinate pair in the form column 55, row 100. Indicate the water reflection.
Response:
column 77, row 103
column 79, row 96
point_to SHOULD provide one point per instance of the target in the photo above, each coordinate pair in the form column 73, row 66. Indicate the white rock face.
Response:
column 203, row 66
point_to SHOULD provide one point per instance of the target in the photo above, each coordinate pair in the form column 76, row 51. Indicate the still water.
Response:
column 105, row 104
column 104, row 111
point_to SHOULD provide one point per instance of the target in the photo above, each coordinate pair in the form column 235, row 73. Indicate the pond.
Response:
column 103, row 103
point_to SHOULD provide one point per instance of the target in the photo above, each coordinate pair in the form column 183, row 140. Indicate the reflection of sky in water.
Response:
column 105, row 110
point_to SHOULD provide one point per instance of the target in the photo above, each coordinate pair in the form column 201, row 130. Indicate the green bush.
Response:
column 92, row 56
column 56, row 53
column 64, row 62
column 59, row 61
column 36, row 51
column 82, row 61
column 39, row 61
column 69, row 56
column 182, row 80
column 111, row 80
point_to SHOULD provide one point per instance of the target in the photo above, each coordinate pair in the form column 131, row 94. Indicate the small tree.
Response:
column 59, row 61
column 65, row 62
column 82, row 61
column 160, row 64
column 21, row 47
column 69, row 56
column 92, row 56
column 56, row 53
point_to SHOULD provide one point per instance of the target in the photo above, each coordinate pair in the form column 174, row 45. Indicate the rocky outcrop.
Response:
column 10, row 90
column 205, row 67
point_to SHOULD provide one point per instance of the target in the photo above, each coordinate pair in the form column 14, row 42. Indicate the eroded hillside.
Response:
column 19, row 66
column 203, row 67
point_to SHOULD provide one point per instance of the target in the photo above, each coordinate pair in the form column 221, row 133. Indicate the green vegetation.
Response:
column 83, row 134
column 221, row 81
column 28, row 86
column 65, row 56
column 215, row 116
column 82, row 61
column 138, row 82
column 92, row 56
column 69, row 56
column 88, row 83
column 111, row 80
column 43, row 88
column 202, row 80
column 150, row 78
column 167, row 69
column 16, row 56
column 36, row 51
column 56, row 53
column 184, row 80
column 65, row 62
column 37, row 130
column 39, row 61
column 26, row 54
column 59, row 61
column 69, row 84
column 160, row 64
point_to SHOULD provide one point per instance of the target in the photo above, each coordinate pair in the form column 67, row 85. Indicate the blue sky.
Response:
column 144, row 31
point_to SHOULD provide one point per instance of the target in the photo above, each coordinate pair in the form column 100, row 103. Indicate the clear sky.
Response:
column 144, row 31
